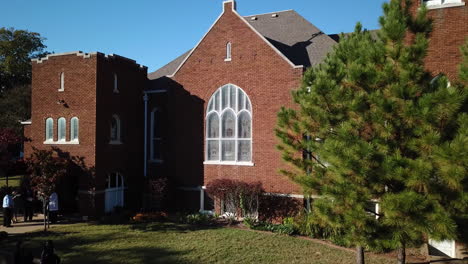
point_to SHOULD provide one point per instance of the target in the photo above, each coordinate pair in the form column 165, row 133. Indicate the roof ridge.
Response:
column 270, row 13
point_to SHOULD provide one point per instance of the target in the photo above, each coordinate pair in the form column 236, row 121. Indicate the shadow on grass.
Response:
column 76, row 247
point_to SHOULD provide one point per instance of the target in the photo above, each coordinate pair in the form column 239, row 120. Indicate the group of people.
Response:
column 14, row 203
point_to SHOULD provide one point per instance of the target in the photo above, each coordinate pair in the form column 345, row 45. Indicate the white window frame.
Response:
column 217, row 101
column 49, row 130
column 435, row 4
column 118, row 140
column 154, row 115
column 62, row 82
column 116, row 84
column 74, row 122
column 62, row 125
column 228, row 52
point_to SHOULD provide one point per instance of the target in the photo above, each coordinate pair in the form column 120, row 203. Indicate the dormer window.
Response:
column 228, row 51
column 442, row 3
column 116, row 88
column 62, row 82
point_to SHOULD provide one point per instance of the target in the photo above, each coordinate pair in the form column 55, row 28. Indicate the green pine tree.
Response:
column 379, row 128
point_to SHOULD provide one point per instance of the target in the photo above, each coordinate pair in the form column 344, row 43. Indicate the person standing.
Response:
column 18, row 205
column 28, row 205
column 7, row 209
column 53, row 207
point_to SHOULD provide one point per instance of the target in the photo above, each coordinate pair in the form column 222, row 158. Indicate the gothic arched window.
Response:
column 229, row 127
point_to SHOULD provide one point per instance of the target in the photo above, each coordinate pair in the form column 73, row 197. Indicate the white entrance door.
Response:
column 446, row 246
column 114, row 192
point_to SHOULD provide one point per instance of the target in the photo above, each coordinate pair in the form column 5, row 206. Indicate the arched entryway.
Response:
column 114, row 191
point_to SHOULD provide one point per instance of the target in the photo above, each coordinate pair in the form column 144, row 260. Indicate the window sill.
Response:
column 444, row 5
column 115, row 142
column 75, row 142
column 229, row 163
column 156, row 161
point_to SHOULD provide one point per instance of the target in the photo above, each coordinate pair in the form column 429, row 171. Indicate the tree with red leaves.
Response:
column 45, row 169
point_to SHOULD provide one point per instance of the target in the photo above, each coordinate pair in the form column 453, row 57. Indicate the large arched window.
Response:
column 61, row 129
column 115, row 130
column 49, row 130
column 229, row 127
column 74, row 129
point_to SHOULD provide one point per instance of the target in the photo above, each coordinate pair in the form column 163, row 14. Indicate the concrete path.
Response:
column 37, row 224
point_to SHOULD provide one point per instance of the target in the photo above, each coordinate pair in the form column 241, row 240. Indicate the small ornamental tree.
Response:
column 45, row 170
column 379, row 128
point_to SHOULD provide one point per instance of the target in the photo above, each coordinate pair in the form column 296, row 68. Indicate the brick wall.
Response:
column 450, row 30
column 125, row 158
column 79, row 97
column 88, row 95
column 266, row 78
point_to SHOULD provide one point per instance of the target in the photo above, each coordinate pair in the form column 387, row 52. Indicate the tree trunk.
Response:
column 402, row 255
column 44, row 212
column 360, row 255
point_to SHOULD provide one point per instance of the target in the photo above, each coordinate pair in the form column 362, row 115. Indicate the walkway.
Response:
column 37, row 224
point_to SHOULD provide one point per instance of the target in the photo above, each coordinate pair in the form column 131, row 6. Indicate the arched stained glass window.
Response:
column 229, row 127
column 74, row 129
column 49, row 131
column 61, row 129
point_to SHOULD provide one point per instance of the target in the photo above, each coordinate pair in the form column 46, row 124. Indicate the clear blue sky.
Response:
column 153, row 32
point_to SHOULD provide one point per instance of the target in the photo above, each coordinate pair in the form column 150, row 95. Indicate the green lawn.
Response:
column 175, row 243
column 13, row 181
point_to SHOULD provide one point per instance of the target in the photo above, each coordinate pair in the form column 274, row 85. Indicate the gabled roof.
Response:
column 299, row 40
column 293, row 36
column 169, row 68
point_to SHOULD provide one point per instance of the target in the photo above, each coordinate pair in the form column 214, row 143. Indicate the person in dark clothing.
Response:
column 28, row 205
column 22, row 256
column 48, row 256
column 18, row 206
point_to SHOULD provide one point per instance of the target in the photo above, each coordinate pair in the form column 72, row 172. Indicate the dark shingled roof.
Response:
column 300, row 41
column 169, row 68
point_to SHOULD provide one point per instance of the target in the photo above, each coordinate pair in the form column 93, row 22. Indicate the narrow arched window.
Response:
column 62, row 82
column 74, row 129
column 229, row 127
column 116, row 87
column 228, row 51
column 49, row 130
column 61, row 129
column 115, row 129
column 156, row 136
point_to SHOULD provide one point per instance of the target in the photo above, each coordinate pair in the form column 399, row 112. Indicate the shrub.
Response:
column 118, row 216
column 239, row 198
column 285, row 228
column 198, row 219
column 149, row 217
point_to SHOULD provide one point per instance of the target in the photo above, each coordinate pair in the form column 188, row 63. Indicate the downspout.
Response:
column 145, row 99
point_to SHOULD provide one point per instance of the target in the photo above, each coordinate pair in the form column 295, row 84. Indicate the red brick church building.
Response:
column 209, row 114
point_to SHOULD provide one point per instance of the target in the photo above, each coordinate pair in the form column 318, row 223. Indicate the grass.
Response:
column 13, row 181
column 176, row 243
